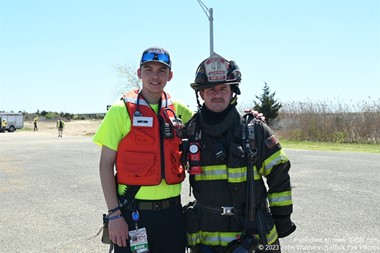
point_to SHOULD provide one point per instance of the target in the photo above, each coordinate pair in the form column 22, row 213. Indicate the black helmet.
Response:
column 216, row 70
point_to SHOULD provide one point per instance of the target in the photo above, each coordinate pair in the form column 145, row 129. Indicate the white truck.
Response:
column 14, row 121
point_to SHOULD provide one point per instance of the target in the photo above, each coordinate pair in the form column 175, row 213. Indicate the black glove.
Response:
column 284, row 225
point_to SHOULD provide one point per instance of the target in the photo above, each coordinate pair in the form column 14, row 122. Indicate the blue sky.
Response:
column 59, row 55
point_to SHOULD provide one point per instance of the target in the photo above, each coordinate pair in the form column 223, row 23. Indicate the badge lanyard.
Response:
column 135, row 218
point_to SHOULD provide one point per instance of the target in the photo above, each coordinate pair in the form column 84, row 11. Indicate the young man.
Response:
column 228, row 159
column 139, row 138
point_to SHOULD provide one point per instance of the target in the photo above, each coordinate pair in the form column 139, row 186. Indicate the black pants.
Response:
column 165, row 229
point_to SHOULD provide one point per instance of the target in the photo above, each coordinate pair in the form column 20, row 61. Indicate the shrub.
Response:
column 330, row 121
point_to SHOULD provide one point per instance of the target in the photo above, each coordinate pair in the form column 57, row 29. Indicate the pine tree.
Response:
column 268, row 106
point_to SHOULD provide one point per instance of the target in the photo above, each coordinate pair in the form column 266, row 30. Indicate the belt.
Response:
column 222, row 210
column 157, row 205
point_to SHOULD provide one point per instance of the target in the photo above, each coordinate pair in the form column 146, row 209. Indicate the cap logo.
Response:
column 216, row 69
column 156, row 51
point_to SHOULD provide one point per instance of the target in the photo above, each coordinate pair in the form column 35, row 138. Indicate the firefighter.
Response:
column 4, row 124
column 219, row 171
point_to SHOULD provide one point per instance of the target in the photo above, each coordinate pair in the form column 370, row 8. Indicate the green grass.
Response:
column 367, row 148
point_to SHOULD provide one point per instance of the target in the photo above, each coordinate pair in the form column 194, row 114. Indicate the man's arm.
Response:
column 118, row 228
column 275, row 167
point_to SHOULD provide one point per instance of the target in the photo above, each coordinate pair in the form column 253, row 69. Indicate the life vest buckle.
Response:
column 227, row 210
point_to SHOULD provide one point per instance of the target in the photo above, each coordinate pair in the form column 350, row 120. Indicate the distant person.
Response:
column 35, row 121
column 60, row 126
column 4, row 124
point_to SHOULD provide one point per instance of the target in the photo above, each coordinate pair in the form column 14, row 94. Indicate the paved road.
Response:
column 51, row 200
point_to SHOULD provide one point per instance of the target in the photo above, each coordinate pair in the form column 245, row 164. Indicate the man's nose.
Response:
column 155, row 73
column 217, row 93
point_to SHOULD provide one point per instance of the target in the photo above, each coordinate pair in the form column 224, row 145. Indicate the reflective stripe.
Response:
column 215, row 172
column 275, row 159
column 237, row 175
column 256, row 176
column 212, row 238
column 280, row 199
column 272, row 236
column 221, row 172
column 223, row 238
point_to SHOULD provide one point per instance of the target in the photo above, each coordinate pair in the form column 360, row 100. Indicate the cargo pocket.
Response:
column 138, row 168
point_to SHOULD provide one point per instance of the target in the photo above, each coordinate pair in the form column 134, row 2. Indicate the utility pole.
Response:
column 209, row 14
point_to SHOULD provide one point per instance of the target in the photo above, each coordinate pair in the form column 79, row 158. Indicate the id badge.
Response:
column 138, row 239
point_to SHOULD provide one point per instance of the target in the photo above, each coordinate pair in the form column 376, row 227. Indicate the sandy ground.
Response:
column 74, row 127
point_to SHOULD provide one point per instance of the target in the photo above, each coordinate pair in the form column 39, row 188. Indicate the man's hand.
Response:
column 284, row 225
column 256, row 114
column 118, row 231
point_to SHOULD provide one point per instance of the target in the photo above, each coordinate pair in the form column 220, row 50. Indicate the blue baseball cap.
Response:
column 156, row 54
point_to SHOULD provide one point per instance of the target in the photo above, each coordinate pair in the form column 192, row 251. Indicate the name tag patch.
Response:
column 143, row 121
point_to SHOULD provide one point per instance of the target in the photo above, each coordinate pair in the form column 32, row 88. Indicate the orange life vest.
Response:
column 144, row 155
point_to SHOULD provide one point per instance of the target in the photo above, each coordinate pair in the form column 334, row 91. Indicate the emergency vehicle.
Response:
column 14, row 121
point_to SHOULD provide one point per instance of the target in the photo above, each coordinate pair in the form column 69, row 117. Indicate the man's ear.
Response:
column 170, row 75
column 201, row 92
column 139, row 73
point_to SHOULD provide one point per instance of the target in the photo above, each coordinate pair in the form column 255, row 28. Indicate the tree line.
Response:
column 49, row 115
column 327, row 121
